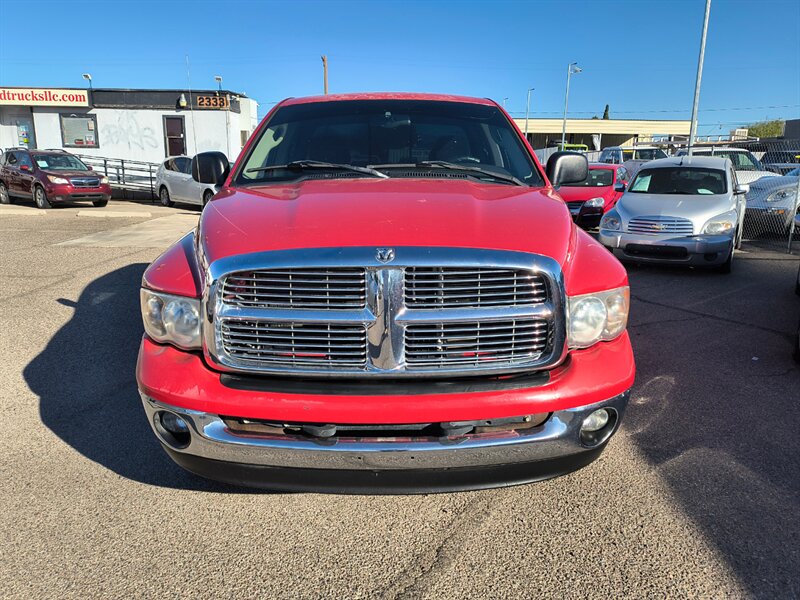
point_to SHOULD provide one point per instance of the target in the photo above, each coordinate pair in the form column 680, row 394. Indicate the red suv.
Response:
column 49, row 177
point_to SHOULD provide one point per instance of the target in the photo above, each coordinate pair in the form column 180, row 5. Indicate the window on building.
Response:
column 79, row 131
column 244, row 135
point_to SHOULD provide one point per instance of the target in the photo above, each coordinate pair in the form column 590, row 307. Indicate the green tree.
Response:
column 606, row 115
column 766, row 129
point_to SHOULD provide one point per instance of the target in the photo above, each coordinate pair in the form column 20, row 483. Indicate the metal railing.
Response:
column 126, row 175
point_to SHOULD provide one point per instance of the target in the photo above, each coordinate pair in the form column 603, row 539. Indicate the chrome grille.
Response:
column 391, row 312
column 297, row 288
column 658, row 225
column 85, row 182
column 476, row 344
column 292, row 344
column 451, row 287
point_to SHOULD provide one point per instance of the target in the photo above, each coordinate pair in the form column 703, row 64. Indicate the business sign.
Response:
column 220, row 102
column 43, row 97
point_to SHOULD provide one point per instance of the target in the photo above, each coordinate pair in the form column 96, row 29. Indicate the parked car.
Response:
column 389, row 297
column 748, row 168
column 616, row 155
column 175, row 184
column 772, row 203
column 49, row 177
column 596, row 195
column 781, row 161
column 679, row 212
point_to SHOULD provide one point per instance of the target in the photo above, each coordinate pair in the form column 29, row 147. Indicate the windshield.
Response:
column 59, row 162
column 597, row 178
column 392, row 135
column 644, row 154
column 679, row 180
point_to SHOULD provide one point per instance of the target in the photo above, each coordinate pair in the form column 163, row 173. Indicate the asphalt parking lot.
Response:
column 698, row 496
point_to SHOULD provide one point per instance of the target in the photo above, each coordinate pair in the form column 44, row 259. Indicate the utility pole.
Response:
column 527, row 110
column 700, row 58
column 571, row 68
column 325, row 73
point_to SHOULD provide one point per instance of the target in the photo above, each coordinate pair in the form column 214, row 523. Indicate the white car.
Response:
column 174, row 183
column 748, row 168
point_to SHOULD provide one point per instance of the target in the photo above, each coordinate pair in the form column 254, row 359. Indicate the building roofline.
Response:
column 104, row 89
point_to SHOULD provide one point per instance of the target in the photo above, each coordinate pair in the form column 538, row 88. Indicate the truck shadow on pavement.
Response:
column 86, row 383
column 714, row 410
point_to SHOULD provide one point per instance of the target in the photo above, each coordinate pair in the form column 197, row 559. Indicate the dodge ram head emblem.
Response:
column 384, row 255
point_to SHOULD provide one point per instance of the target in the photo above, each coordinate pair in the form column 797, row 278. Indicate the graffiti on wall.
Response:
column 128, row 132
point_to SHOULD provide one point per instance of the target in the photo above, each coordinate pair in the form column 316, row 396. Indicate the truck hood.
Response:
column 69, row 174
column 751, row 176
column 385, row 212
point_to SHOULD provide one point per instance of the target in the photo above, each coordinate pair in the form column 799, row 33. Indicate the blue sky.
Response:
column 638, row 56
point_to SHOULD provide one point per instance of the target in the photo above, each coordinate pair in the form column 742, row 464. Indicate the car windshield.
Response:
column 597, row 178
column 59, row 162
column 394, row 137
column 679, row 180
column 644, row 154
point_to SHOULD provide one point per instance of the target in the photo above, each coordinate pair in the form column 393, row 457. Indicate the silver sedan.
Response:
column 680, row 210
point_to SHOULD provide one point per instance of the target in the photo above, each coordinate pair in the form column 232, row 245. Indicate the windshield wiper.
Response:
column 443, row 164
column 299, row 165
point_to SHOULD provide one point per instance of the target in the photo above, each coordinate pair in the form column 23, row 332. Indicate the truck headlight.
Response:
column 721, row 224
column 595, row 203
column 597, row 317
column 171, row 319
column 57, row 180
column 104, row 179
column 781, row 196
column 611, row 222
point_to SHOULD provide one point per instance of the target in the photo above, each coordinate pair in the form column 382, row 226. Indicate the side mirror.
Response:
column 741, row 188
column 24, row 168
column 210, row 167
column 619, row 187
column 564, row 168
column 89, row 168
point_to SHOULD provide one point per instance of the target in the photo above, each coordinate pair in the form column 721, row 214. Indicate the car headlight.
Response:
column 612, row 222
column 720, row 224
column 781, row 196
column 595, row 203
column 171, row 319
column 57, row 180
column 104, row 179
column 597, row 317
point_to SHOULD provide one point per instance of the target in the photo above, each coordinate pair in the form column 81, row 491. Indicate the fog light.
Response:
column 173, row 423
column 595, row 421
column 598, row 426
column 172, row 429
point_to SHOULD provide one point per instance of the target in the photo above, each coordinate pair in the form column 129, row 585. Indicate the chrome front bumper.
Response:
column 548, row 450
column 698, row 250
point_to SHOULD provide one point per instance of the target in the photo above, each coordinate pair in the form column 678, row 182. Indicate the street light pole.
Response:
column 527, row 110
column 571, row 68
column 700, row 58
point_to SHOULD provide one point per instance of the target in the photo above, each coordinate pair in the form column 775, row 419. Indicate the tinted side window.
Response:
column 183, row 165
column 25, row 159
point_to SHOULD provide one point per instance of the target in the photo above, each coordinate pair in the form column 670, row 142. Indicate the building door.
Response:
column 174, row 136
column 25, row 135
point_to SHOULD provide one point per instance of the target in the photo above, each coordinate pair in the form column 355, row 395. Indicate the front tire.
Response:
column 207, row 196
column 40, row 197
column 163, row 195
column 727, row 266
column 4, row 197
column 99, row 203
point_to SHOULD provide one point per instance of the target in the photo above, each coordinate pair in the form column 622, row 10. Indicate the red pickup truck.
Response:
column 386, row 296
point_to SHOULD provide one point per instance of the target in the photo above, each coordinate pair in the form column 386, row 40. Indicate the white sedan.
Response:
column 174, row 183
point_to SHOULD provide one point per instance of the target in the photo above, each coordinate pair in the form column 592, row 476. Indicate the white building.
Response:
column 141, row 125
